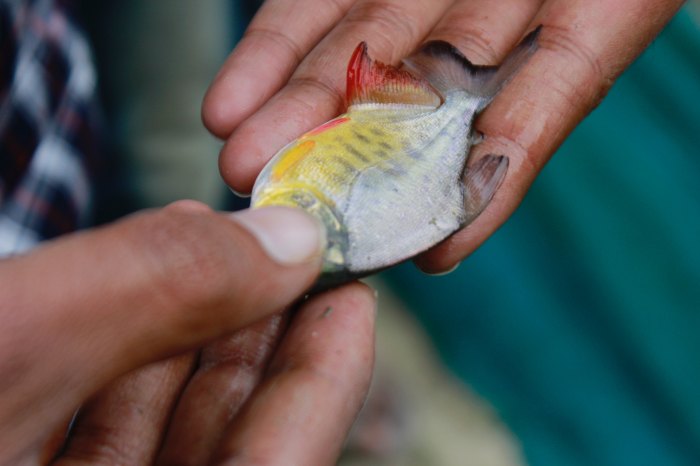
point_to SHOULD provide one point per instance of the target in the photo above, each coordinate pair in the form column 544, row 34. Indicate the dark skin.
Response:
column 111, row 320
column 288, row 73
column 117, row 319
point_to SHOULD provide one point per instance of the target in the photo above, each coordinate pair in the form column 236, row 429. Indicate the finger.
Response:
column 124, row 423
column 485, row 39
column 83, row 310
column 584, row 46
column 227, row 373
column 54, row 442
column 278, row 38
column 315, row 92
column 316, row 383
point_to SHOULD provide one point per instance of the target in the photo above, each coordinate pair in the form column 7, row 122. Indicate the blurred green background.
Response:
column 580, row 318
column 578, row 321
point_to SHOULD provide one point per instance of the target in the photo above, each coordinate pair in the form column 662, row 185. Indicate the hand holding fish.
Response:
column 287, row 76
column 134, row 300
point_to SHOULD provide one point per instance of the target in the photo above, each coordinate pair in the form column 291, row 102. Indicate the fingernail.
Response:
column 444, row 272
column 289, row 236
column 240, row 194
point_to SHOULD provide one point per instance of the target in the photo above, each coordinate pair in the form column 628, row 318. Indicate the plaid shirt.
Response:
column 47, row 118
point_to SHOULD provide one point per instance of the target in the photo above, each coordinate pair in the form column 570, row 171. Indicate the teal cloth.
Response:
column 580, row 318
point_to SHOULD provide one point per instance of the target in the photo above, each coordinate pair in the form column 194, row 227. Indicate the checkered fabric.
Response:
column 47, row 123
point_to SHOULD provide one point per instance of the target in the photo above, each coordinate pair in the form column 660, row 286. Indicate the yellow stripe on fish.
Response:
column 387, row 179
column 330, row 156
column 293, row 156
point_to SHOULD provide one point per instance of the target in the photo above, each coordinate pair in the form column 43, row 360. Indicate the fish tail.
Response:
column 441, row 64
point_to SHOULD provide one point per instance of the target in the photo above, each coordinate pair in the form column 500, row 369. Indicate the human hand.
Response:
column 287, row 75
column 82, row 311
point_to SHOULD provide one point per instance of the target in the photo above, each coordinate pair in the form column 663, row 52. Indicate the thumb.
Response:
column 82, row 310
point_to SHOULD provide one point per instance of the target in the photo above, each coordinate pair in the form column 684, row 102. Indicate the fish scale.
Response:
column 387, row 179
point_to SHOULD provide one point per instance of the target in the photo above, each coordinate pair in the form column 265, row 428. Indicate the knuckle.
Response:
column 183, row 258
column 564, row 41
column 522, row 156
column 235, row 360
column 389, row 20
column 530, row 163
column 575, row 78
column 98, row 444
column 585, row 67
column 339, row 6
column 277, row 38
column 316, row 85
column 475, row 42
column 247, row 349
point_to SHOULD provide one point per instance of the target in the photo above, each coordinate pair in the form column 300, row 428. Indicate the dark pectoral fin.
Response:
column 481, row 180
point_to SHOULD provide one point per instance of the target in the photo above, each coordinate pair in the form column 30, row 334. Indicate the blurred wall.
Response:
column 156, row 59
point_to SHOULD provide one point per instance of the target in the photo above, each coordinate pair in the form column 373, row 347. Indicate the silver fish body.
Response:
column 416, row 199
column 387, row 179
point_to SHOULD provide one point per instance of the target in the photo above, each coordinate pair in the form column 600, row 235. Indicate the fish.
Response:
column 389, row 178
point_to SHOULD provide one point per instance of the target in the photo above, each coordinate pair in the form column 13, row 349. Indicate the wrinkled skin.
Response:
column 112, row 320
column 288, row 74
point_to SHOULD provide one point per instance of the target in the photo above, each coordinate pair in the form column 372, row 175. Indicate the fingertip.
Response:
column 359, row 303
column 217, row 113
column 347, row 313
column 439, row 260
column 324, row 365
column 363, row 305
column 362, row 297
column 441, row 271
column 235, row 94
column 240, row 161
column 432, row 267
column 356, row 295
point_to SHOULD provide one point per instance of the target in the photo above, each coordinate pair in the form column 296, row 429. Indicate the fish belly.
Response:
column 385, row 189
column 395, row 213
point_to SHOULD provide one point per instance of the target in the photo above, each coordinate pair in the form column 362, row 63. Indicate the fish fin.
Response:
column 481, row 180
column 447, row 69
column 370, row 81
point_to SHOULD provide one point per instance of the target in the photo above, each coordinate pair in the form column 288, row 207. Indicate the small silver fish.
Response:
column 387, row 179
